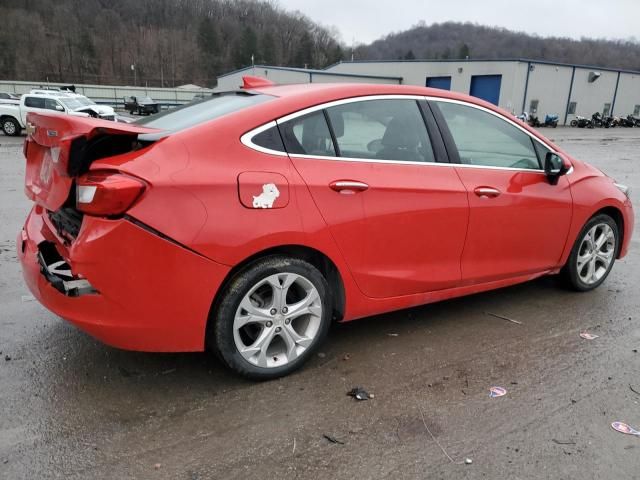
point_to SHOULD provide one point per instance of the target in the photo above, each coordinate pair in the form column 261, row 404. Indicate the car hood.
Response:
column 99, row 109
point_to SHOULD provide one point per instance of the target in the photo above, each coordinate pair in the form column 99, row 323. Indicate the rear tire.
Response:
column 593, row 254
column 271, row 317
column 11, row 127
column 574, row 123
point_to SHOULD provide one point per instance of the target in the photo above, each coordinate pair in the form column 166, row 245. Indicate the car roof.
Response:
column 323, row 92
column 44, row 95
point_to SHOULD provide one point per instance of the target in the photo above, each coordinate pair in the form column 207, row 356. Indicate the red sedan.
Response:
column 248, row 222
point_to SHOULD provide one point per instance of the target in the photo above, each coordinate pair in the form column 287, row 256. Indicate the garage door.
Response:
column 486, row 87
column 443, row 83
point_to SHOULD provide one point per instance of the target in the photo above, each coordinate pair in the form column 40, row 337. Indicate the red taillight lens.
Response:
column 107, row 193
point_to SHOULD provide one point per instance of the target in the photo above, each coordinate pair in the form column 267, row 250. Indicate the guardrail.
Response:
column 112, row 94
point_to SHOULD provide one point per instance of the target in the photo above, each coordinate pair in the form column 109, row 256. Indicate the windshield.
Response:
column 145, row 100
column 71, row 103
column 197, row 112
column 85, row 101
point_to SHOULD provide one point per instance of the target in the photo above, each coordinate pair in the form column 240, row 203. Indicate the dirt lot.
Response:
column 73, row 408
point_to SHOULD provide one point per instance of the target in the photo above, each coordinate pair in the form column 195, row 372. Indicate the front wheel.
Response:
column 271, row 317
column 593, row 254
column 574, row 123
column 11, row 127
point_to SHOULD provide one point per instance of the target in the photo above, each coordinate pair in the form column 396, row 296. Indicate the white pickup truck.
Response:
column 13, row 118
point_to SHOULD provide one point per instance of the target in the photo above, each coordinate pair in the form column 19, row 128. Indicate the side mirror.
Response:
column 554, row 167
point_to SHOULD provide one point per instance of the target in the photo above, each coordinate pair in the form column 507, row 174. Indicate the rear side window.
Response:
column 484, row 139
column 381, row 129
column 34, row 102
column 308, row 135
column 198, row 112
column 269, row 139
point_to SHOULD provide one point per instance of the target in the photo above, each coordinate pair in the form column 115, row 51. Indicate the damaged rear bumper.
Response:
column 120, row 283
column 58, row 272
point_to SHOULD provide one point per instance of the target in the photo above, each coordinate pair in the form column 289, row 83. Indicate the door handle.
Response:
column 487, row 192
column 348, row 187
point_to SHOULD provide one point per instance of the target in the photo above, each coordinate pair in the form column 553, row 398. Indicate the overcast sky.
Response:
column 368, row 20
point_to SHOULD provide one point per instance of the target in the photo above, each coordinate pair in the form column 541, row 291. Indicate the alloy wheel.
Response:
column 9, row 128
column 277, row 320
column 596, row 253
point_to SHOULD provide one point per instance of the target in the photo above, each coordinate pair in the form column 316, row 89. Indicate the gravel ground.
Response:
column 73, row 408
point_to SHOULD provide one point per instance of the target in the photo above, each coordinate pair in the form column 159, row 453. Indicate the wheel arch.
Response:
column 617, row 216
column 315, row 257
column 11, row 117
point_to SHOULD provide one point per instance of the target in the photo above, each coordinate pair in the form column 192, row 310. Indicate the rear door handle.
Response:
column 487, row 192
column 348, row 187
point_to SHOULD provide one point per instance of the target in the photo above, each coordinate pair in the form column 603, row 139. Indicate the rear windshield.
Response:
column 197, row 112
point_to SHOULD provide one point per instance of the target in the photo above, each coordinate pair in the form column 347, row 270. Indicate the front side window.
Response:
column 381, row 129
column 485, row 139
column 308, row 135
column 51, row 104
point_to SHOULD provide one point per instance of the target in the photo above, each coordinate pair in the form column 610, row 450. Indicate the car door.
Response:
column 31, row 104
column 397, row 214
column 518, row 221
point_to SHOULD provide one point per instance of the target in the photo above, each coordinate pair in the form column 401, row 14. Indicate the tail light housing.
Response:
column 107, row 193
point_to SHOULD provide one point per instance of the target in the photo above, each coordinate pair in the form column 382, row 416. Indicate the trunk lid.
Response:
column 60, row 148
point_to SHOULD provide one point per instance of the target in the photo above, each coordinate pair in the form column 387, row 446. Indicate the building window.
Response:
column 533, row 106
column 606, row 110
column 572, row 108
column 636, row 110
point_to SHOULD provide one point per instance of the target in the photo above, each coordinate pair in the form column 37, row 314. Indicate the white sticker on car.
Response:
column 269, row 194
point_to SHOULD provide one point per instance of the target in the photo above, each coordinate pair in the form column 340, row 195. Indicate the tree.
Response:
column 304, row 52
column 208, row 45
column 247, row 48
column 465, row 51
column 268, row 49
column 87, row 53
column 409, row 55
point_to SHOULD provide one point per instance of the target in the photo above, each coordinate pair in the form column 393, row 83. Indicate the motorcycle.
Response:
column 609, row 121
column 627, row 121
column 596, row 119
column 581, row 122
column 549, row 121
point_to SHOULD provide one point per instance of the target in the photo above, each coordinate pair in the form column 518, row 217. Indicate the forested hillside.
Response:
column 457, row 40
column 173, row 42
column 170, row 42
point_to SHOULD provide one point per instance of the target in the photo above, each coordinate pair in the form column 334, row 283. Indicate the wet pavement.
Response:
column 73, row 408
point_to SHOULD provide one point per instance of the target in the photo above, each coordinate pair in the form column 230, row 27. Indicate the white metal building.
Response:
column 287, row 75
column 517, row 85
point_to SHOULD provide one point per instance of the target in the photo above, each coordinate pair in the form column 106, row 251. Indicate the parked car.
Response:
column 13, row 117
column 141, row 105
column 7, row 98
column 247, row 223
column 105, row 112
column 84, row 104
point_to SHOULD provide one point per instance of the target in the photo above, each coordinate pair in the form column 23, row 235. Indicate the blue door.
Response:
column 443, row 83
column 486, row 87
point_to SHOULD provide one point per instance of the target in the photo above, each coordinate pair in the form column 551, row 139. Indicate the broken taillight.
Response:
column 105, row 193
